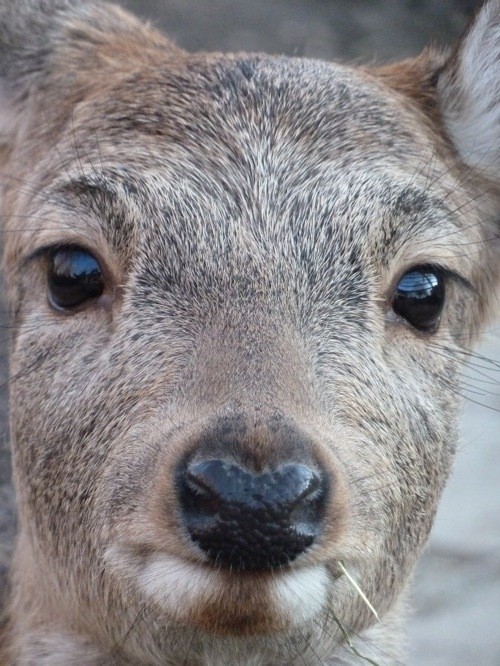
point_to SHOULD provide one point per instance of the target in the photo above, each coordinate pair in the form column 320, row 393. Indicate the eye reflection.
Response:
column 419, row 285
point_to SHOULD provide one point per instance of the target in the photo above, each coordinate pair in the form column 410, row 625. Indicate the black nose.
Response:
column 249, row 521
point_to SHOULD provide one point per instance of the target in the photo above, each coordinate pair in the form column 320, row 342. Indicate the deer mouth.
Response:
column 220, row 601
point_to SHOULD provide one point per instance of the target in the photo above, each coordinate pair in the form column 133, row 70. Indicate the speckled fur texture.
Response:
column 252, row 216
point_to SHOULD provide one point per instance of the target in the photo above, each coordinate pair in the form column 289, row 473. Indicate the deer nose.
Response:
column 251, row 521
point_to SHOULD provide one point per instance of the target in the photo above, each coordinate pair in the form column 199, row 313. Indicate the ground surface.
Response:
column 456, row 621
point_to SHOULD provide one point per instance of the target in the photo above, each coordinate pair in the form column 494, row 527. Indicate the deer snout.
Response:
column 245, row 520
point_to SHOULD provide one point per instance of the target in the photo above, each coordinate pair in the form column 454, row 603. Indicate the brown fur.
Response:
column 252, row 216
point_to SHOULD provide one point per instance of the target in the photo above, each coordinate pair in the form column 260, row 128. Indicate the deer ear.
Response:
column 469, row 93
column 51, row 48
column 29, row 34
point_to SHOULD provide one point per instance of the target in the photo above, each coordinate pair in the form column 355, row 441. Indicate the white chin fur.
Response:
column 301, row 594
column 179, row 586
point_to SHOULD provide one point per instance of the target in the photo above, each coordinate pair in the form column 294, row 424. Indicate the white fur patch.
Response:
column 297, row 595
column 301, row 594
column 177, row 585
column 471, row 102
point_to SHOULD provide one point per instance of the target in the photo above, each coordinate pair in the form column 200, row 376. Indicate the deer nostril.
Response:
column 245, row 520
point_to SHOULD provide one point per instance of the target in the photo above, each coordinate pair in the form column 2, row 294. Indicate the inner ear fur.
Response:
column 469, row 93
column 459, row 91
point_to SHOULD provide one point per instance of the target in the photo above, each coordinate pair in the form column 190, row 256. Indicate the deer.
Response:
column 242, row 288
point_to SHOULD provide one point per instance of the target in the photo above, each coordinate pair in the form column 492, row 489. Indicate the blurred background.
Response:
column 455, row 619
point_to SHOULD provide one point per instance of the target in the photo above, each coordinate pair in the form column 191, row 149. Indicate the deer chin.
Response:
column 222, row 602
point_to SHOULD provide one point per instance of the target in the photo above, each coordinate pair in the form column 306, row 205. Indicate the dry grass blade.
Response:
column 351, row 645
column 358, row 589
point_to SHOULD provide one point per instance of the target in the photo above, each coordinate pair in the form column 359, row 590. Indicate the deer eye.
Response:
column 419, row 297
column 74, row 276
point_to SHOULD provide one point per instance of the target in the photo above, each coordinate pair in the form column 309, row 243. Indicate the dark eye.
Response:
column 420, row 297
column 74, row 277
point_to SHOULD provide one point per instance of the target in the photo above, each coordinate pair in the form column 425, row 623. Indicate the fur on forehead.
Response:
column 57, row 54
column 56, row 49
column 101, row 80
column 247, row 132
